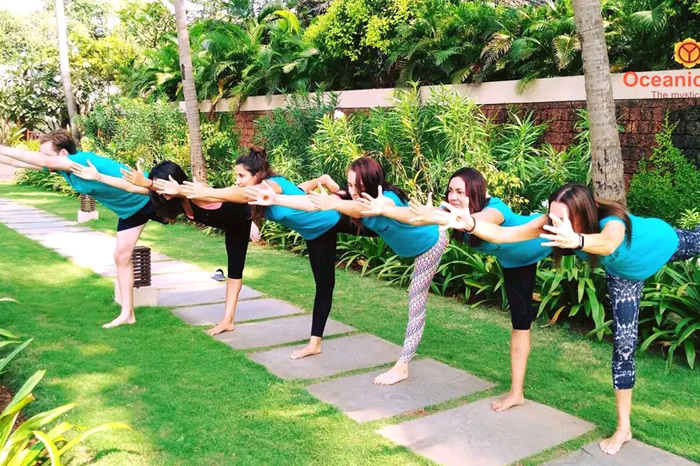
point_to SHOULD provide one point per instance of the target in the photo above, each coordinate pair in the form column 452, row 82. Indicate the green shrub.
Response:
column 45, row 180
column 288, row 133
column 129, row 129
column 673, row 295
column 690, row 219
column 667, row 184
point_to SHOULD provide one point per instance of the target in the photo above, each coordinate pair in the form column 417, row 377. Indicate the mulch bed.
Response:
column 5, row 398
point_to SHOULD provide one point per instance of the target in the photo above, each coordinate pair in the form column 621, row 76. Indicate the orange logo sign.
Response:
column 687, row 53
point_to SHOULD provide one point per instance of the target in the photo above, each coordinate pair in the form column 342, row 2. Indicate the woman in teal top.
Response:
column 630, row 249
column 319, row 229
column 365, row 178
column 467, row 187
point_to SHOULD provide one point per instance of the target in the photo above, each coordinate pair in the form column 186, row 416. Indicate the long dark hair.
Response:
column 167, row 209
column 585, row 212
column 369, row 176
column 255, row 161
column 475, row 190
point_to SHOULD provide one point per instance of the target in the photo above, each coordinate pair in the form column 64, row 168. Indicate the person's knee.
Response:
column 521, row 323
column 521, row 320
column 122, row 257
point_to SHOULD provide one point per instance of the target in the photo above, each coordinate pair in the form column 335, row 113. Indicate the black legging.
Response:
column 236, row 250
column 520, row 283
column 322, row 255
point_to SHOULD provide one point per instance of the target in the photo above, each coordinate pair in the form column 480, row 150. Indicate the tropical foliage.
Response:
column 358, row 44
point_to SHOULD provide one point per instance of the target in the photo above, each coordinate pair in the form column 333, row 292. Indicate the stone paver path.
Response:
column 470, row 434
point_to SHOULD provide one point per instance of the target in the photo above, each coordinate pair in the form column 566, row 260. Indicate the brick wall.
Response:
column 641, row 119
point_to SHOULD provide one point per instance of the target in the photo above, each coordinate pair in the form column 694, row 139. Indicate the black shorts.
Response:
column 147, row 212
column 520, row 284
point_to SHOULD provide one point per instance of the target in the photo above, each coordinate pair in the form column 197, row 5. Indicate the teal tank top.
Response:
column 513, row 255
column 310, row 225
column 653, row 243
column 406, row 240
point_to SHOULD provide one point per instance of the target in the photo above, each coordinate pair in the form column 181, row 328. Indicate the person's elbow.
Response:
column 52, row 163
column 607, row 249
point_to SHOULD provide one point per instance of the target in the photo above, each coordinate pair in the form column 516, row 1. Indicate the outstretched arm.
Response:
column 197, row 190
column 138, row 177
column 324, row 180
column 497, row 234
column 602, row 244
column 17, row 164
column 37, row 159
column 264, row 194
column 91, row 173
column 461, row 219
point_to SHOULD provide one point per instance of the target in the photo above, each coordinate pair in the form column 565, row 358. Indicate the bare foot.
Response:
column 120, row 321
column 508, row 401
column 394, row 375
column 612, row 445
column 308, row 350
column 220, row 328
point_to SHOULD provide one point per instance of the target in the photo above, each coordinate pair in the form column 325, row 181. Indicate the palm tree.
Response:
column 199, row 170
column 65, row 66
column 606, row 155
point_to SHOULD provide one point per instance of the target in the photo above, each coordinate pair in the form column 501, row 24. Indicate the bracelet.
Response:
column 151, row 185
column 474, row 226
column 580, row 242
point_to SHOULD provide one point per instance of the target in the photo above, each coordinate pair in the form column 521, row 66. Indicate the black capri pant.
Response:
column 322, row 256
column 520, row 284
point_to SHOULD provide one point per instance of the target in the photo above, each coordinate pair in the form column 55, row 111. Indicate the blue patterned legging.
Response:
column 424, row 270
column 624, row 298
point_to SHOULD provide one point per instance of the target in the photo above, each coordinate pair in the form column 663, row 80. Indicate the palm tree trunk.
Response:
column 65, row 66
column 606, row 155
column 199, row 170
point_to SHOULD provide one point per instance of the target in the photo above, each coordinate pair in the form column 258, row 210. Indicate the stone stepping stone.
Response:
column 633, row 453
column 98, row 256
column 37, row 225
column 277, row 331
column 22, row 215
column 190, row 296
column 28, row 221
column 211, row 314
column 475, row 435
column 35, row 232
column 364, row 401
column 175, row 280
column 157, row 268
column 93, row 262
column 78, row 242
column 338, row 355
column 12, row 208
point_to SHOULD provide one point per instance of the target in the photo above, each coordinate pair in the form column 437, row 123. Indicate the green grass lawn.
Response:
column 192, row 400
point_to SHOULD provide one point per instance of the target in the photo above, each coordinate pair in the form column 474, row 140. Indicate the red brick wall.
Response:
column 246, row 127
column 641, row 119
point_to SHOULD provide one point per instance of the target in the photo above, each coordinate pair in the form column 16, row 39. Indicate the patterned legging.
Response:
column 625, row 296
column 424, row 270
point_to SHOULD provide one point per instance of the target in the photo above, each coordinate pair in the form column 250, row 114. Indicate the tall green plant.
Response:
column 674, row 296
column 666, row 184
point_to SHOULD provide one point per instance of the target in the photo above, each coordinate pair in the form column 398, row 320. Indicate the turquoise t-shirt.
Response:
column 406, row 240
column 513, row 255
column 122, row 203
column 653, row 243
column 310, row 225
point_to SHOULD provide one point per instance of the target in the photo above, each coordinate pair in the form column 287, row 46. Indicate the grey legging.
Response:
column 625, row 296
